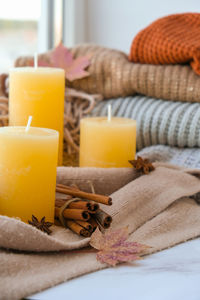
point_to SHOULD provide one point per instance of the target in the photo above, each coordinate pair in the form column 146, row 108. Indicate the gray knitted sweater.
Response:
column 158, row 121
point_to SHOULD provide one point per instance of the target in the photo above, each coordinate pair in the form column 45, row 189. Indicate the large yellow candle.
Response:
column 107, row 143
column 28, row 163
column 38, row 92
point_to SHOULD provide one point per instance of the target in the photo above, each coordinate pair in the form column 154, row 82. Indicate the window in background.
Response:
column 18, row 30
column 58, row 21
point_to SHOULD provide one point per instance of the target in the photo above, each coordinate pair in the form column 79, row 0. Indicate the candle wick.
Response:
column 109, row 112
column 28, row 123
column 35, row 60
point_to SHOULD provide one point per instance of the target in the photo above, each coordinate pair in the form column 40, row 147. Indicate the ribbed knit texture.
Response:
column 187, row 157
column 170, row 40
column 112, row 75
column 158, row 121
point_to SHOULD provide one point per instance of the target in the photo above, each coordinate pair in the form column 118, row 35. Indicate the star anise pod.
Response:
column 142, row 165
column 41, row 225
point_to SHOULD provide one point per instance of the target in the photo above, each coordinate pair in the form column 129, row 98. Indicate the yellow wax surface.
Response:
column 28, row 163
column 107, row 144
column 38, row 93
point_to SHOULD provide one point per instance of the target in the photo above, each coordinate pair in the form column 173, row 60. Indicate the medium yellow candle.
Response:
column 38, row 92
column 107, row 143
column 28, row 163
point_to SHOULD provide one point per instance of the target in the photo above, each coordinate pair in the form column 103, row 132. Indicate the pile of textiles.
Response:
column 158, row 52
column 158, row 121
column 163, row 66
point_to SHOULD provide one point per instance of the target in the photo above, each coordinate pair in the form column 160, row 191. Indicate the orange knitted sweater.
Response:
column 173, row 39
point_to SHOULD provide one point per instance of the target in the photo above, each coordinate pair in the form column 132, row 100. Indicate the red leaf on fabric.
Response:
column 113, row 247
column 76, row 69
column 62, row 58
column 42, row 63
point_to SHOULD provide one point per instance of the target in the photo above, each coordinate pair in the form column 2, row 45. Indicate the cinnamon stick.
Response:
column 93, row 207
column 85, row 225
column 93, row 222
column 69, row 186
column 77, row 214
column 103, row 218
column 77, row 193
column 77, row 228
column 59, row 202
column 106, row 225
column 81, row 204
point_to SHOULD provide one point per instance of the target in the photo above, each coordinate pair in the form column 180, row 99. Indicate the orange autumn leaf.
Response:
column 113, row 247
column 62, row 58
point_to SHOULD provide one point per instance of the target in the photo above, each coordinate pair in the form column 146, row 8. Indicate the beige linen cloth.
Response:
column 157, row 208
column 112, row 75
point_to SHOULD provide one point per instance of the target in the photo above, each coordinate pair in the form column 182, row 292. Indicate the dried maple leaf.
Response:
column 113, row 247
column 142, row 165
column 62, row 58
column 41, row 225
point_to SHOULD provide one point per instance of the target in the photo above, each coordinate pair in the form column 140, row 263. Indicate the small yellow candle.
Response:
column 38, row 92
column 107, row 142
column 28, row 161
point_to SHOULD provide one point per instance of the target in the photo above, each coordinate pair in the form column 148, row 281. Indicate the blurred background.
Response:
column 38, row 25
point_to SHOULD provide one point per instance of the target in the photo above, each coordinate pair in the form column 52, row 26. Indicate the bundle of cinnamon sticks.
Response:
column 83, row 215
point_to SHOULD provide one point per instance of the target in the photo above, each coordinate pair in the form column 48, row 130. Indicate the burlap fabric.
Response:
column 112, row 75
column 156, row 207
column 169, row 40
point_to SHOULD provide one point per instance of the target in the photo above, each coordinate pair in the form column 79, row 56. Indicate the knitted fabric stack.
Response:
column 174, row 39
column 163, row 69
column 158, row 121
column 170, row 40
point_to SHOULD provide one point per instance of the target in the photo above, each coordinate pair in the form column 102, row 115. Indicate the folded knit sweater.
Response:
column 112, row 75
column 174, row 39
column 158, row 121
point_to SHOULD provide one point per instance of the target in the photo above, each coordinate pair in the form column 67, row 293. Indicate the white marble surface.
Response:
column 173, row 274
